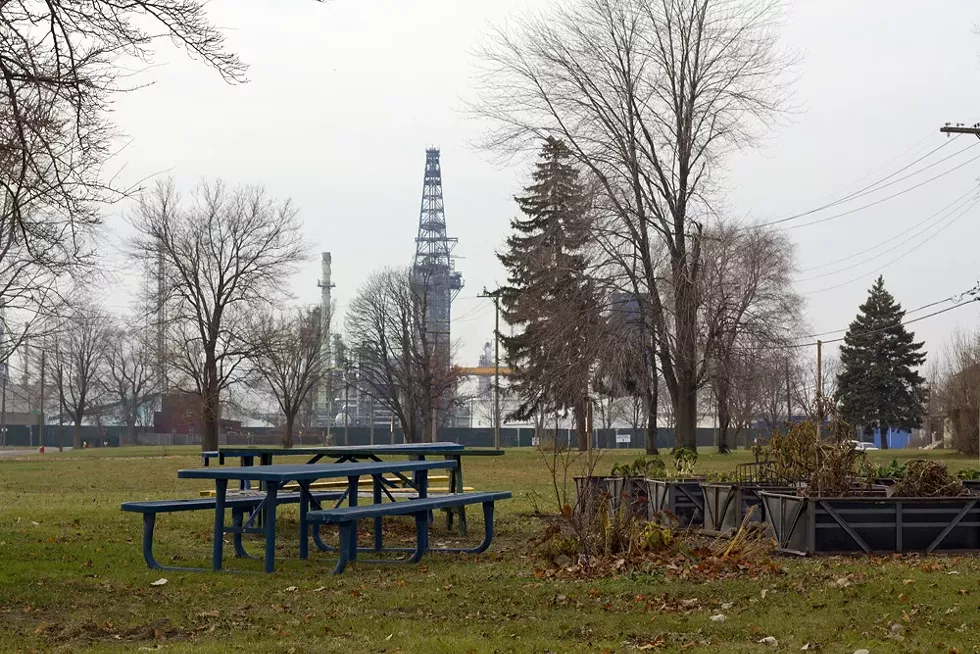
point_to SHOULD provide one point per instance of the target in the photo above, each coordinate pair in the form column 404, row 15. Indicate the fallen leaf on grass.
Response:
column 718, row 618
column 292, row 589
column 770, row 641
column 810, row 647
column 389, row 636
column 209, row 614
column 159, row 582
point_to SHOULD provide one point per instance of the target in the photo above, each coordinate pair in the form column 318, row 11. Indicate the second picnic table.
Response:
column 353, row 453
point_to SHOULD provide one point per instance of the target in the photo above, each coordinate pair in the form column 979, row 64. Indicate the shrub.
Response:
column 684, row 461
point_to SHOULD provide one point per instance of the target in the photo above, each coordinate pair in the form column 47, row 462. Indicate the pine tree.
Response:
column 549, row 298
column 879, row 386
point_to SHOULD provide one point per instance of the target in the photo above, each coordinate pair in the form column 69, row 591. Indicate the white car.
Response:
column 862, row 446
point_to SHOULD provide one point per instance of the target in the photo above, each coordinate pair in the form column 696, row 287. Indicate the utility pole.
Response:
column 960, row 128
column 495, row 296
column 3, row 408
column 789, row 403
column 40, row 440
column 819, row 390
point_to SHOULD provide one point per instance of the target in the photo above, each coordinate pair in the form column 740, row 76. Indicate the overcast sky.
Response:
column 345, row 96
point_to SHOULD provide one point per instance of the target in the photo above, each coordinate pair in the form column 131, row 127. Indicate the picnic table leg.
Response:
column 352, row 501
column 304, row 528
column 221, row 488
column 247, row 461
column 378, row 536
column 456, row 486
column 271, row 494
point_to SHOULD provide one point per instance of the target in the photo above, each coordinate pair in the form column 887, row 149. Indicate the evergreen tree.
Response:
column 879, row 385
column 549, row 298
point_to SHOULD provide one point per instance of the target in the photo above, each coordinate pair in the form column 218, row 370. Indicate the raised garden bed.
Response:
column 727, row 504
column 816, row 525
column 592, row 492
column 679, row 499
column 631, row 492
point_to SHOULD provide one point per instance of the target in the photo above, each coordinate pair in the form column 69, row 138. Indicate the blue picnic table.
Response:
column 354, row 453
column 274, row 477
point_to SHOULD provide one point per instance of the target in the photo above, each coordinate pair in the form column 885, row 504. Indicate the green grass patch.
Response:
column 72, row 578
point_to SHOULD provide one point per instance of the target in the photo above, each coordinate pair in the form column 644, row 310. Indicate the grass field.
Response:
column 72, row 578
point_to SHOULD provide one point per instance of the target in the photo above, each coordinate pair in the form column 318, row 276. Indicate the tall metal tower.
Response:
column 433, row 271
column 324, row 396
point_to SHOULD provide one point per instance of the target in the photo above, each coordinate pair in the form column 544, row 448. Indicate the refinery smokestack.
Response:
column 324, row 399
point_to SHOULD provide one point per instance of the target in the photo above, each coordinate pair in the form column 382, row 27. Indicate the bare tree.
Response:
column 287, row 355
column 746, row 301
column 227, row 254
column 650, row 95
column 397, row 362
column 956, row 393
column 78, row 351
column 131, row 375
column 60, row 64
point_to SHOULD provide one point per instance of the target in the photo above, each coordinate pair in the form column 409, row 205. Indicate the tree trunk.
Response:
column 581, row 429
column 685, row 420
column 209, row 442
column 651, row 429
column 287, row 439
column 685, row 367
column 76, row 442
column 883, row 430
column 724, row 418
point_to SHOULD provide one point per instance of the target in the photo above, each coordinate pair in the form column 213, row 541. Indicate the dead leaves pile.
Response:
column 699, row 563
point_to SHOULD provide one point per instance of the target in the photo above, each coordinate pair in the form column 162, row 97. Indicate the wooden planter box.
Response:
column 815, row 525
column 727, row 504
column 631, row 492
column 677, row 498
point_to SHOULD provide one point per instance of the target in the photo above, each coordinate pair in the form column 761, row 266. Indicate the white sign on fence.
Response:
column 622, row 438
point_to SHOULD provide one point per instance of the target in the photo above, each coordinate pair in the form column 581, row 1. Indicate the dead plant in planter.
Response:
column 929, row 479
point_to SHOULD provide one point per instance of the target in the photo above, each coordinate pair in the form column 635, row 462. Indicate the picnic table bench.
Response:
column 238, row 504
column 346, row 519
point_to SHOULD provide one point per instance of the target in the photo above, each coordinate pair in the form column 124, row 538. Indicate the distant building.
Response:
column 180, row 413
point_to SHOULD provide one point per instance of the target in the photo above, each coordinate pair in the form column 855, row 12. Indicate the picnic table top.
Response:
column 311, row 471
column 341, row 450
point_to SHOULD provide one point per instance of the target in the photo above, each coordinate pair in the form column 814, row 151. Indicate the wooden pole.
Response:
column 819, row 390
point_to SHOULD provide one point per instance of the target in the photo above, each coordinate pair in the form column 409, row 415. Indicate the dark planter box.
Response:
column 677, row 498
column 629, row 492
column 592, row 492
column 727, row 504
column 814, row 525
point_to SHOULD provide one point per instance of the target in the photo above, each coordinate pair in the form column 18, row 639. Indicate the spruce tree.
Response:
column 879, row 385
column 549, row 299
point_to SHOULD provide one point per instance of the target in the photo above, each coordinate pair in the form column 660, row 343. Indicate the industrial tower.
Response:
column 324, row 395
column 433, row 271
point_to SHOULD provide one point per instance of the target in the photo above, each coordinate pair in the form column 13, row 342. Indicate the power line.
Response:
column 871, row 188
column 879, row 201
column 904, row 254
column 794, row 346
column 885, row 242
column 928, row 224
